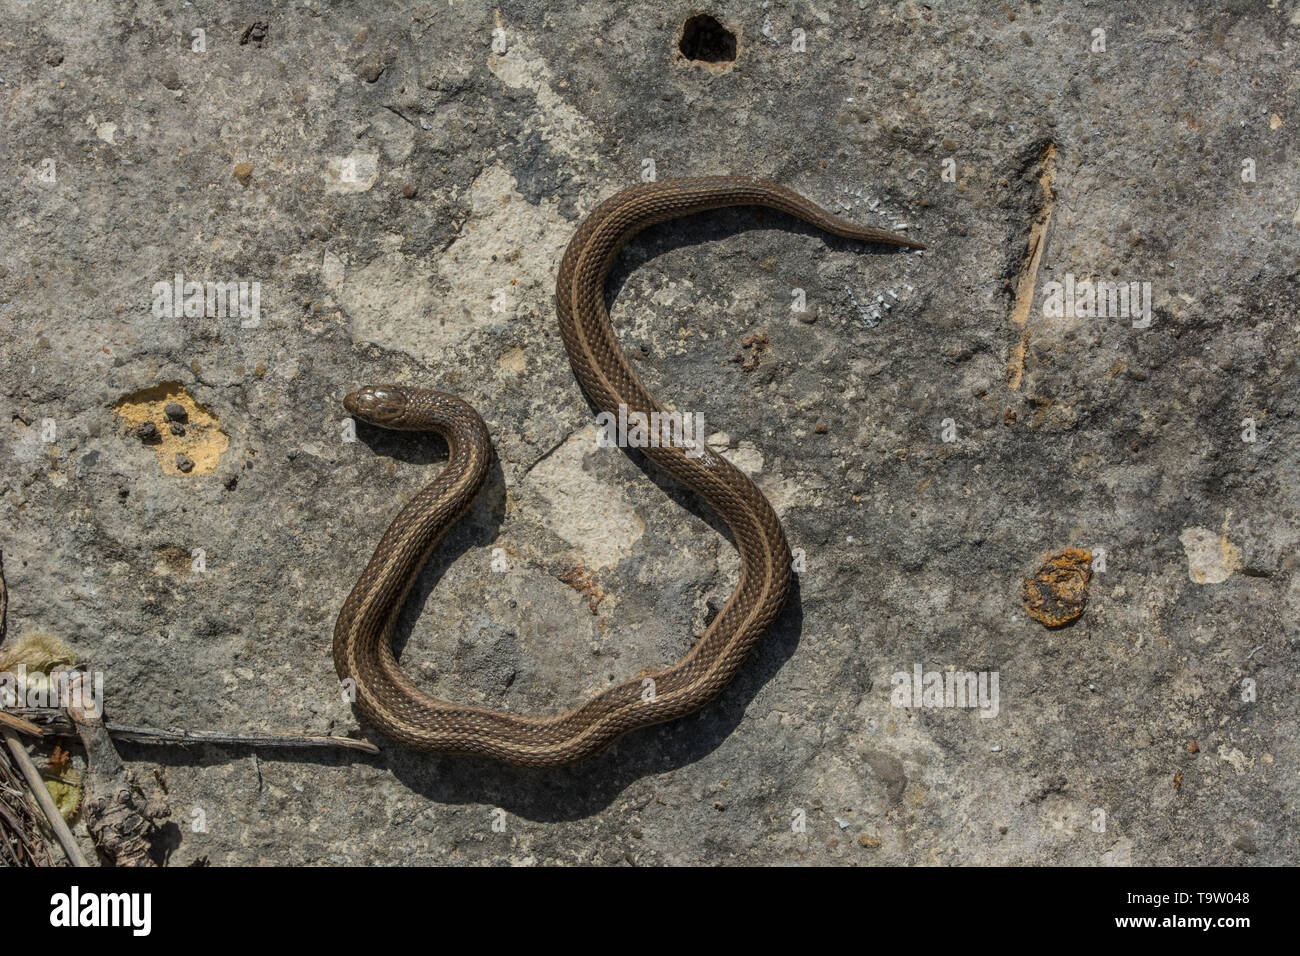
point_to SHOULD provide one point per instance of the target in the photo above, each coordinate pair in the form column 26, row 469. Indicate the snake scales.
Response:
column 363, row 648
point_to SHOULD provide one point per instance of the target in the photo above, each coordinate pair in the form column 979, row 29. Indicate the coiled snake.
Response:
column 363, row 649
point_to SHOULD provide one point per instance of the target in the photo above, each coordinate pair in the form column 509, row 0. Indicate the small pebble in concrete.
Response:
column 175, row 411
column 183, row 463
column 244, row 172
column 147, row 432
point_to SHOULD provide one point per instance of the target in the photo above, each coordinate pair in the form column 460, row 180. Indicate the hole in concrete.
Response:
column 706, row 40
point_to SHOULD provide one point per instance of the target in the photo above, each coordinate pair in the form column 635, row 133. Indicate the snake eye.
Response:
column 377, row 404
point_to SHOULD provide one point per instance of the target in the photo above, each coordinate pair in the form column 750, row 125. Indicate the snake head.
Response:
column 382, row 405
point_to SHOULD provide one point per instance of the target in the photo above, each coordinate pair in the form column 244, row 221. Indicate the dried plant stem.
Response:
column 55, row 721
column 10, row 722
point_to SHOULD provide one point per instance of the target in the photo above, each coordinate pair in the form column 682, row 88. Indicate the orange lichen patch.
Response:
column 203, row 442
column 582, row 581
column 1057, row 592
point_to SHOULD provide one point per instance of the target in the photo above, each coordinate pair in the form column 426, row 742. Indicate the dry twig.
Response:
column 55, row 722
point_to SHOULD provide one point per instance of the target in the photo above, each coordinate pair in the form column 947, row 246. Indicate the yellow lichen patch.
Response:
column 1057, row 592
column 203, row 442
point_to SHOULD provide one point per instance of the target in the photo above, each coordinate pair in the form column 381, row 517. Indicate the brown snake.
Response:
column 363, row 650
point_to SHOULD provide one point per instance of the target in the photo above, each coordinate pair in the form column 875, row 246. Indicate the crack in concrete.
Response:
column 1028, row 278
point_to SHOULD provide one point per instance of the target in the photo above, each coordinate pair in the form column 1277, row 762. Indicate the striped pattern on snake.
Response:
column 363, row 635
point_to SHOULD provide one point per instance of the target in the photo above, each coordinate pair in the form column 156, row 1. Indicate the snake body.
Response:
column 363, row 653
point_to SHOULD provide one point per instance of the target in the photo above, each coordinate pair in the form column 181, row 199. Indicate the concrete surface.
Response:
column 401, row 192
